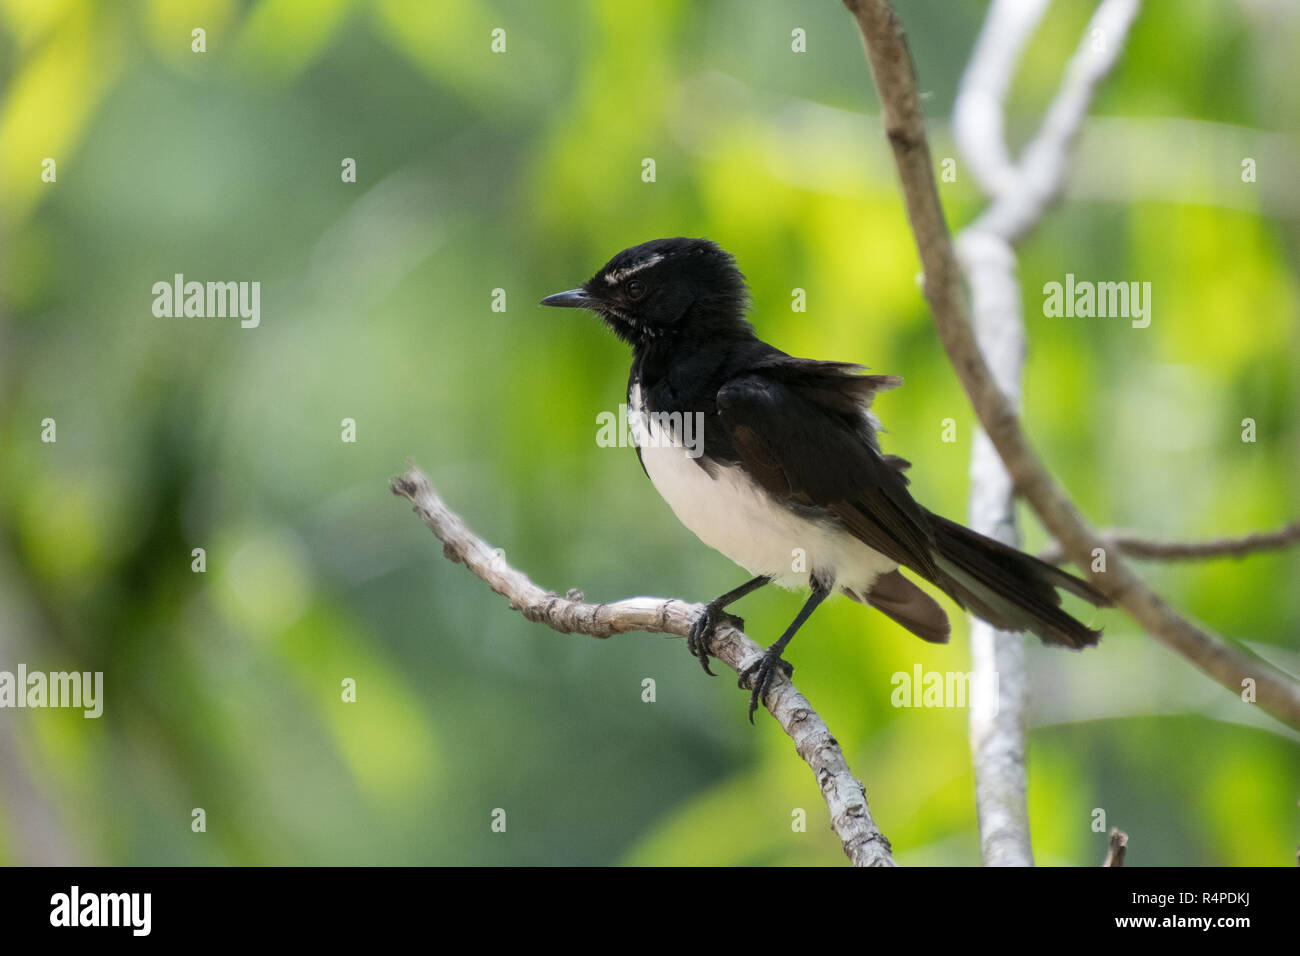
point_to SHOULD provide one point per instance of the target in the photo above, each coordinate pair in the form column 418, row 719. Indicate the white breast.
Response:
column 732, row 514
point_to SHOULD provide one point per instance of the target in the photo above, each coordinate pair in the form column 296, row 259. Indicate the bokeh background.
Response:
column 522, row 171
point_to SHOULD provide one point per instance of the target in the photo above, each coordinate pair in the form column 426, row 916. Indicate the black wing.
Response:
column 799, row 428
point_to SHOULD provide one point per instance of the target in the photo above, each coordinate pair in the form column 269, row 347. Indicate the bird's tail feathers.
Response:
column 1011, row 590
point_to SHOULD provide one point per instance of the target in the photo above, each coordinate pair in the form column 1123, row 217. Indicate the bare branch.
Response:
column 845, row 796
column 1040, row 175
column 1140, row 546
column 1020, row 194
column 891, row 64
column 999, row 707
column 1118, row 847
column 978, row 116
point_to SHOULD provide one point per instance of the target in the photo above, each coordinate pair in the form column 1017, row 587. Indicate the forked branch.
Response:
column 895, row 78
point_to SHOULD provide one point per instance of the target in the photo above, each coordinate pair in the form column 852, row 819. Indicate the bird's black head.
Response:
column 665, row 292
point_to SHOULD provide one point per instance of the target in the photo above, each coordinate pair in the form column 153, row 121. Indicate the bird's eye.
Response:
column 635, row 289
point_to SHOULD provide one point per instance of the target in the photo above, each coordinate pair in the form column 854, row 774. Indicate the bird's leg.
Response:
column 714, row 613
column 772, row 658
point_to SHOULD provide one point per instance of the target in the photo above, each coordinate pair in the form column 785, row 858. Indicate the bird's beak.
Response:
column 573, row 299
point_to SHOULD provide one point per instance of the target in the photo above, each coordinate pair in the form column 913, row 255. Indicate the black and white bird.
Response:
column 787, row 478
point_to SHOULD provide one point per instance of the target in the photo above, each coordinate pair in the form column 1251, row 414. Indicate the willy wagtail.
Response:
column 789, row 481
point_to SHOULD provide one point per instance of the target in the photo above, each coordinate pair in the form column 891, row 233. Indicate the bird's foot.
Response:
column 702, row 631
column 766, row 669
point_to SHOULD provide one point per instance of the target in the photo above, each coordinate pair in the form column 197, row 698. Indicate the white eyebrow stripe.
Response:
column 618, row 275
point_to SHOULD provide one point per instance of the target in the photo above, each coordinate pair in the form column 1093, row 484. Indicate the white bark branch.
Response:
column 978, row 114
column 845, row 796
column 1040, row 176
column 1020, row 193
column 1000, row 687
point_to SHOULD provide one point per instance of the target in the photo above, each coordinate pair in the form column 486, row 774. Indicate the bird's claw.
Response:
column 703, row 629
column 766, row 669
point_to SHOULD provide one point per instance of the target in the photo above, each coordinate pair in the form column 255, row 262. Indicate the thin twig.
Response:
column 845, row 796
column 1159, row 549
column 1117, row 849
column 894, row 73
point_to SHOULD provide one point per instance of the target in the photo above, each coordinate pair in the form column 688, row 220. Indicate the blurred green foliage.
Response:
column 522, row 171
